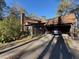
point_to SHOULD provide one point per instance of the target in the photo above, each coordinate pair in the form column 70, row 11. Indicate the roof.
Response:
column 68, row 19
column 33, row 21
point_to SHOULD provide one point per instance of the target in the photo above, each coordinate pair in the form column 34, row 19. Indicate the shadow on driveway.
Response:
column 45, row 50
column 59, row 50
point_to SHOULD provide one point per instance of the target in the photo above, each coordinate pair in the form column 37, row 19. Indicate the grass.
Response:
column 68, row 41
column 6, row 45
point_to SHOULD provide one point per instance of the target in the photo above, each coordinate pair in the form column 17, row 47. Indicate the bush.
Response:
column 9, row 29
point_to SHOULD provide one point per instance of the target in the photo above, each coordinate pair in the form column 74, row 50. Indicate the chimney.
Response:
column 22, row 21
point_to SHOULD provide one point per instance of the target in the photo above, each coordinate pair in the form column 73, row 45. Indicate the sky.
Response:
column 46, row 8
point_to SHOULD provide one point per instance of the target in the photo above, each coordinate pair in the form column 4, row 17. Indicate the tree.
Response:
column 63, row 7
column 66, row 6
column 75, row 10
column 2, row 6
column 9, row 29
column 32, row 15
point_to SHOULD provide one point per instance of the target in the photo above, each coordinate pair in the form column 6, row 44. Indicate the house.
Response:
column 67, row 19
column 33, row 26
column 63, row 23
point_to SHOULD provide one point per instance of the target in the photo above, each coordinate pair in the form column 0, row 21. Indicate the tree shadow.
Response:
column 45, row 50
column 20, row 45
column 28, row 52
column 60, row 50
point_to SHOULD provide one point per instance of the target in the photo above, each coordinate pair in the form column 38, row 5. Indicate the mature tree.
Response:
column 2, row 6
column 63, row 7
column 9, row 28
column 16, row 10
column 67, row 6
column 75, row 10
column 32, row 15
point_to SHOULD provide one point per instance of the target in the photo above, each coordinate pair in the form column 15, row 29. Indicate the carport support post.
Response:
column 31, row 30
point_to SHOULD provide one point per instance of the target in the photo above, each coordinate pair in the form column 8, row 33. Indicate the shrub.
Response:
column 9, row 29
